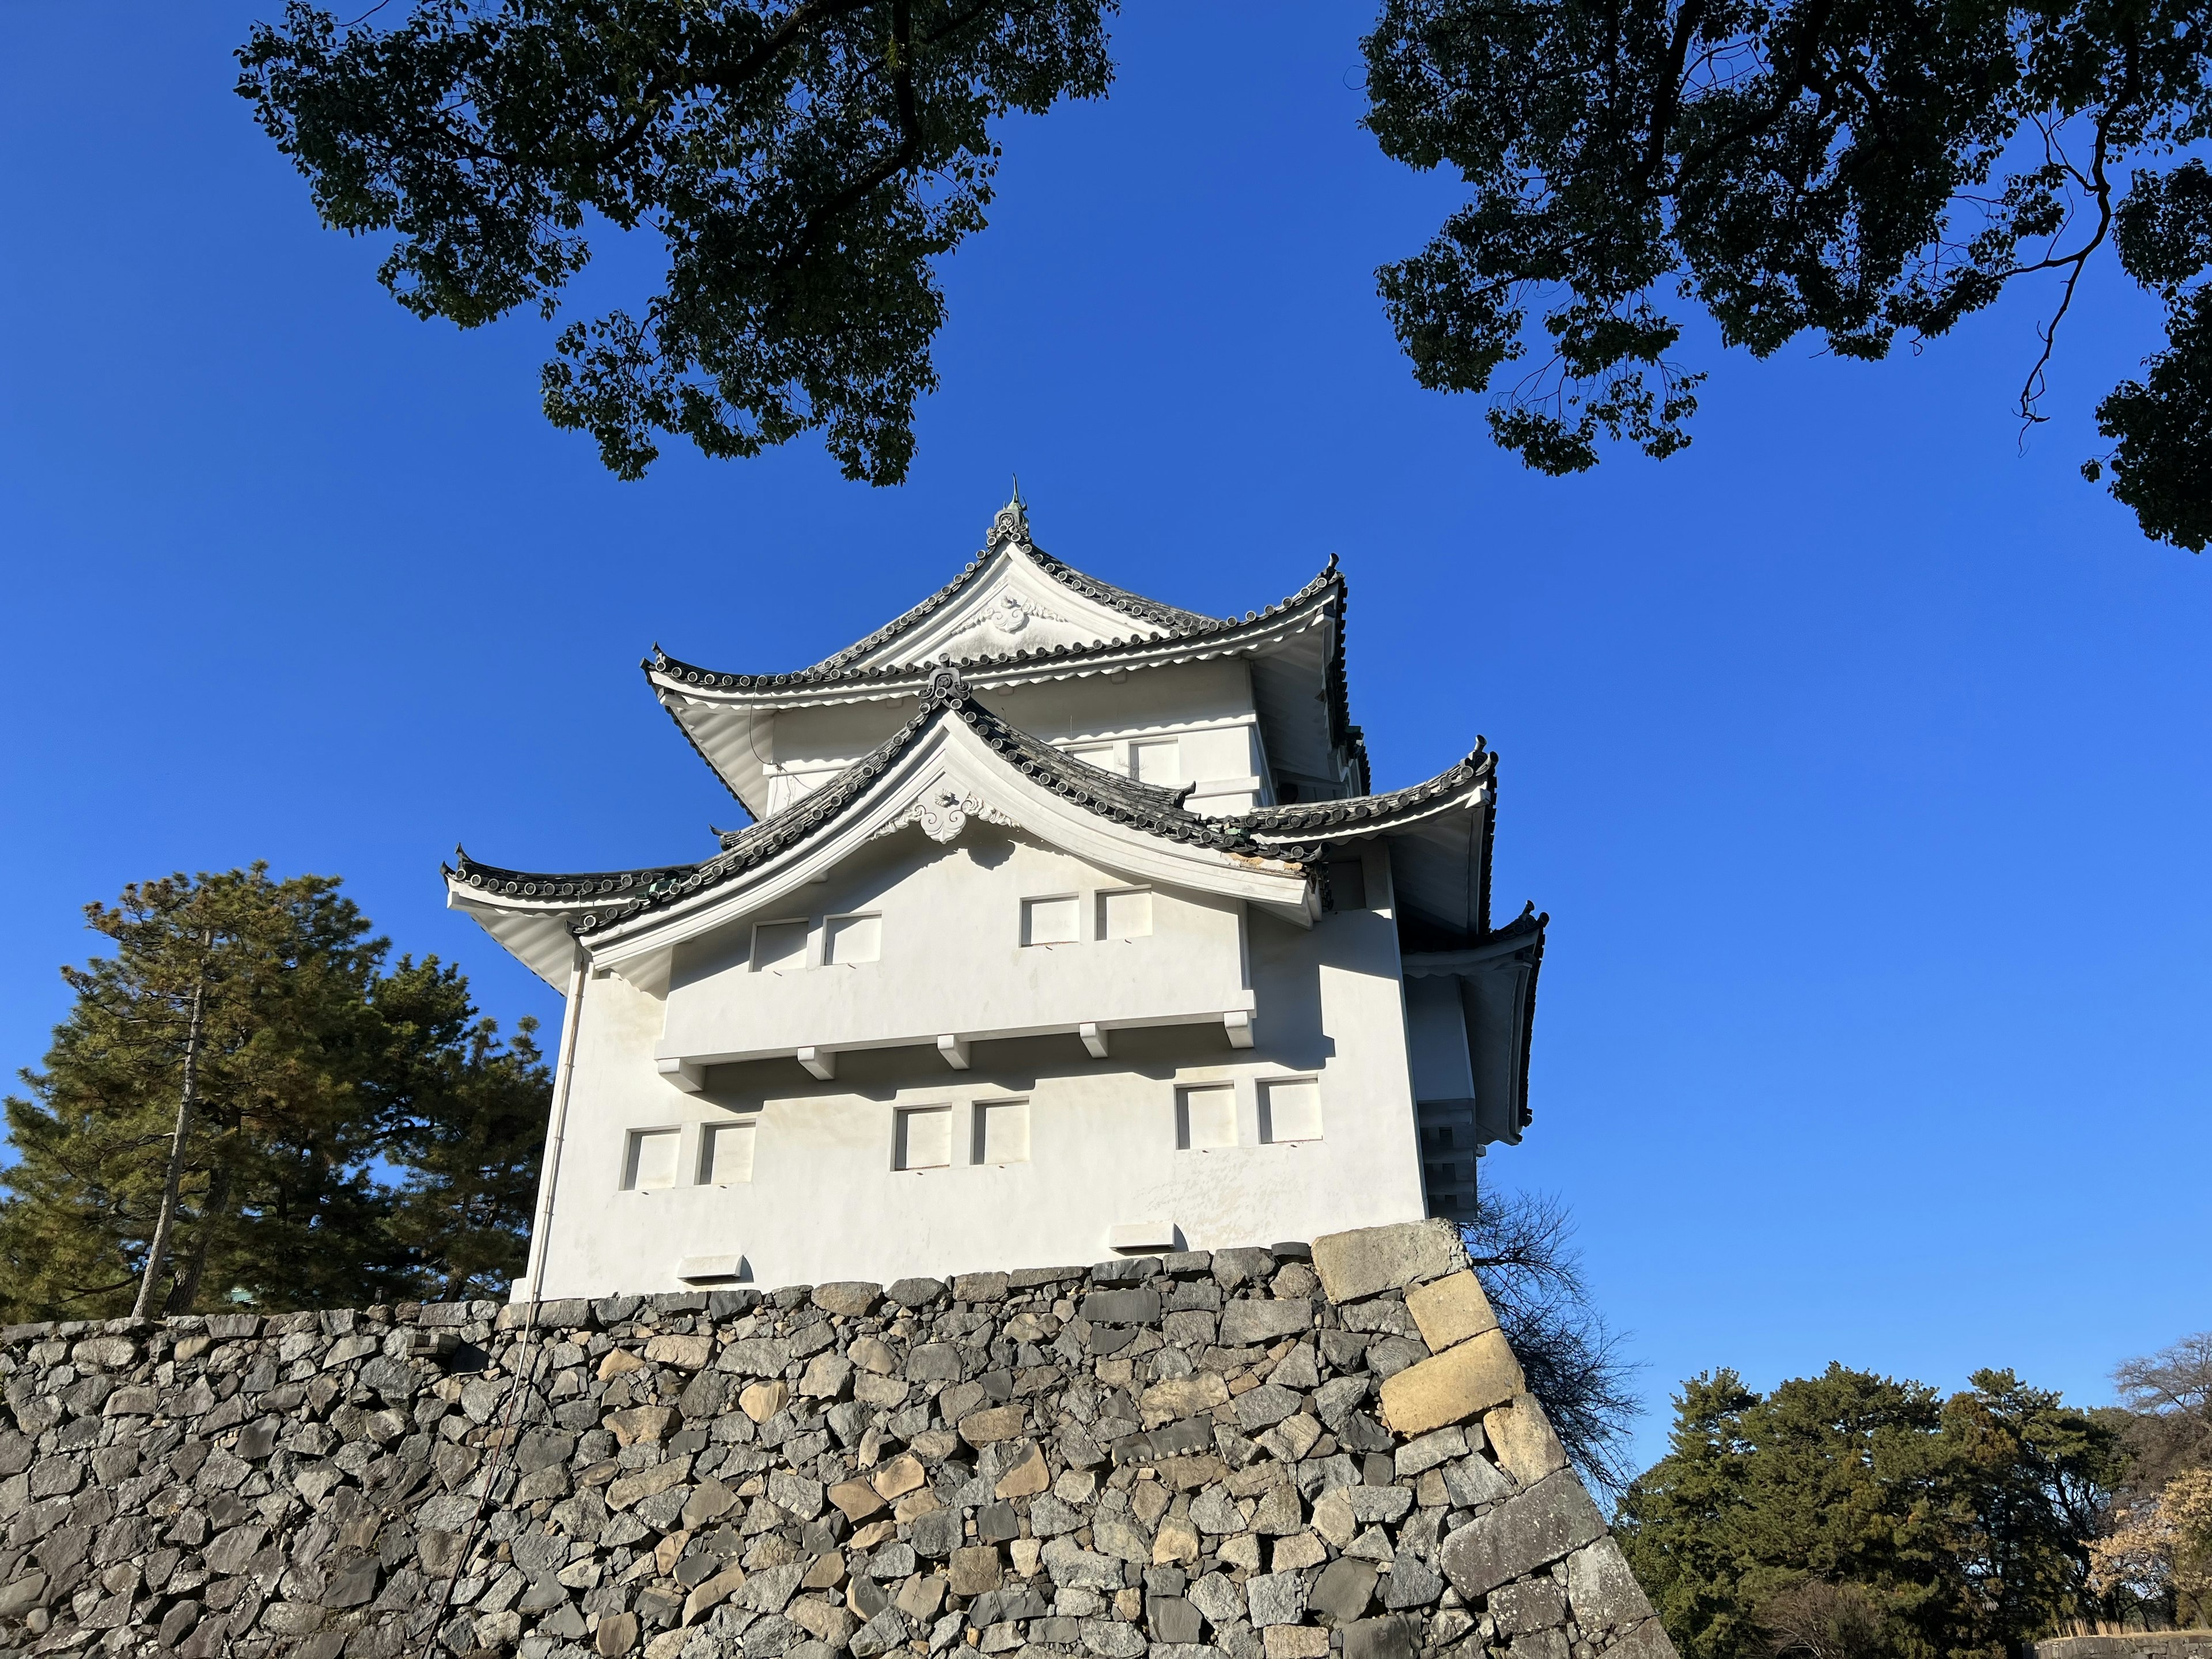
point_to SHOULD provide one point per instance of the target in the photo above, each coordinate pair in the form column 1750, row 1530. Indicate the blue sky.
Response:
column 1857, row 754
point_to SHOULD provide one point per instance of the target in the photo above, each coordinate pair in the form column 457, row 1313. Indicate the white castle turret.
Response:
column 1066, row 925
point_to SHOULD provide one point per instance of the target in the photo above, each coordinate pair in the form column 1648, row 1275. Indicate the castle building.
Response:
column 1066, row 924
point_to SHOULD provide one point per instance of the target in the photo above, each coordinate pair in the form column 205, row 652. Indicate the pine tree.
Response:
column 316, row 1076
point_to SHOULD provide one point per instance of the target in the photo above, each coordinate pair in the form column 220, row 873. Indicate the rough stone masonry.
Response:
column 1285, row 1454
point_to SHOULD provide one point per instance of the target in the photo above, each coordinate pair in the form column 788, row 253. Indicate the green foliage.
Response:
column 805, row 164
column 318, row 1070
column 1849, row 1514
column 1855, row 169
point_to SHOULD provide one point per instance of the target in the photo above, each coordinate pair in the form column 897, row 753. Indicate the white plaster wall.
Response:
column 1437, row 1039
column 951, row 957
column 824, row 1202
column 1208, row 708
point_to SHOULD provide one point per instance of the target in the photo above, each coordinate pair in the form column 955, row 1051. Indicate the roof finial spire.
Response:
column 1011, row 524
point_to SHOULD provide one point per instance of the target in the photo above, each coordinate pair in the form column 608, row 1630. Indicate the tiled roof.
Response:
column 1011, row 526
column 837, row 671
column 1365, row 812
column 604, row 899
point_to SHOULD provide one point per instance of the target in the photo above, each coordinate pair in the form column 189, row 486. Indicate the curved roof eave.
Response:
column 1468, row 783
column 592, row 902
column 824, row 683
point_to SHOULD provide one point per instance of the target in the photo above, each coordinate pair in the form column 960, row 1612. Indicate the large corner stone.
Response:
column 1450, row 1311
column 1522, row 1435
column 1553, row 1518
column 1453, row 1386
column 1601, row 1592
column 1373, row 1260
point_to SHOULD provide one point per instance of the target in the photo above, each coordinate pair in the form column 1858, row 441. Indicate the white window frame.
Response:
column 806, row 952
column 829, row 927
column 1022, row 922
column 978, row 1112
column 634, row 1142
column 1264, row 1091
column 901, row 1116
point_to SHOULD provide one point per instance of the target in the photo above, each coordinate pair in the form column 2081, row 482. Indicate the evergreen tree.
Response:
column 315, row 1075
column 1855, row 1516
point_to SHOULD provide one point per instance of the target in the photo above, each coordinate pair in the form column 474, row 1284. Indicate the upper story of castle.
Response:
column 1235, row 713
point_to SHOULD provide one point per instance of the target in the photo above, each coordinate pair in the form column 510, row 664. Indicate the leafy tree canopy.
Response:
column 1855, row 1516
column 321, row 1073
column 1852, row 169
column 804, row 161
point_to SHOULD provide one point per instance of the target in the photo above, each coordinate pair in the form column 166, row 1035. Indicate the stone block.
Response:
column 1552, row 1519
column 686, row 1354
column 1644, row 1641
column 1172, row 1618
column 872, row 1354
column 1528, row 1604
column 1451, row 1309
column 856, row 1500
column 1601, row 1592
column 1275, row 1598
column 1430, row 1451
column 1453, row 1386
column 1177, row 1397
column 1109, row 1638
column 1250, row 1324
column 1295, row 1641
column 979, row 1287
column 1265, row 1406
column 1410, row 1582
column 651, row 1424
column 995, row 1423
column 1244, row 1266
column 850, row 1298
column 1026, row 1478
column 1387, row 1637
column 653, row 1479
column 1522, row 1436
column 1372, row 1260
column 974, row 1570
column 616, row 1635
column 762, row 1400
column 1344, row 1590
column 1137, row 1307
column 827, row 1374
column 1299, row 1549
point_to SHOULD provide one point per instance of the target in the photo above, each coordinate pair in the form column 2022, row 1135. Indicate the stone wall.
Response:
column 1248, row 1455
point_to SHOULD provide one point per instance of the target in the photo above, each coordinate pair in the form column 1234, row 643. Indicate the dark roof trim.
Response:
column 1010, row 526
column 1327, row 586
column 1362, row 813
column 576, row 890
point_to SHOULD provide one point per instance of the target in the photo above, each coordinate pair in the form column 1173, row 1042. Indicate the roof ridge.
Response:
column 823, row 673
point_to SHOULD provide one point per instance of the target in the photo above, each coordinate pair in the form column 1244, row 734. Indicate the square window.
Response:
column 852, row 939
column 1290, row 1109
column 924, row 1139
column 1156, row 763
column 1002, row 1132
column 779, row 944
column 1205, row 1117
column 726, row 1155
column 1126, row 914
column 1106, row 756
column 1051, row 921
column 650, row 1164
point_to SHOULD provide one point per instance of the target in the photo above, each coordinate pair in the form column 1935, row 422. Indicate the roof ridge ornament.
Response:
column 1011, row 524
column 946, row 686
